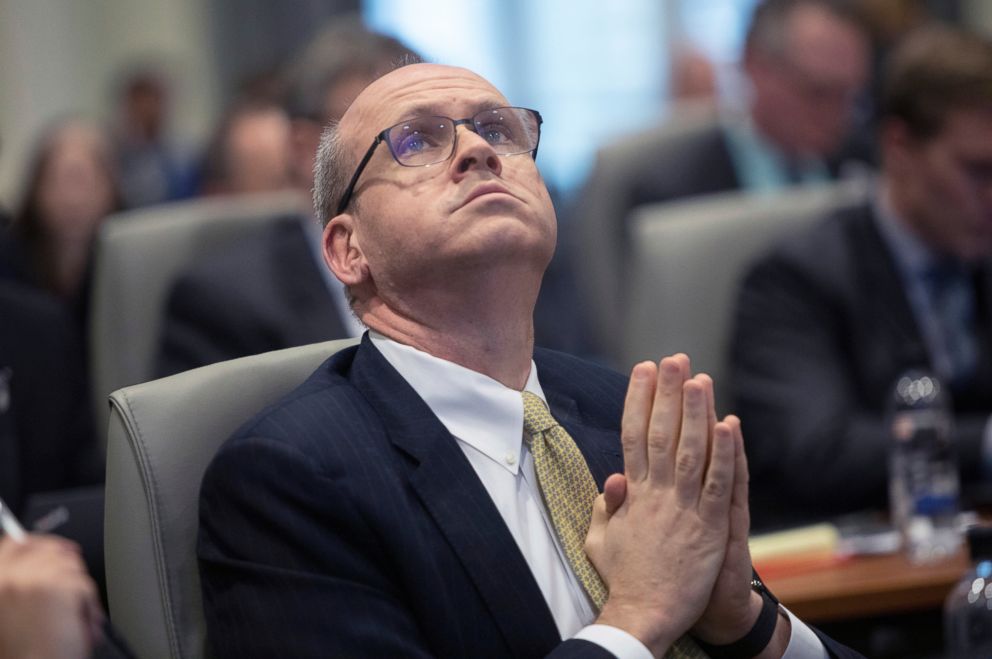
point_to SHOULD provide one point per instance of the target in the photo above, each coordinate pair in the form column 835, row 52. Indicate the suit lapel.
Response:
column 889, row 304
column 455, row 498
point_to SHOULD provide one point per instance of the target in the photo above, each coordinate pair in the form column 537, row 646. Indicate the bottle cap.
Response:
column 980, row 542
column 917, row 388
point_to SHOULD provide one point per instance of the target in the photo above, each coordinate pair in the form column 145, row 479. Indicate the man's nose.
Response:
column 472, row 152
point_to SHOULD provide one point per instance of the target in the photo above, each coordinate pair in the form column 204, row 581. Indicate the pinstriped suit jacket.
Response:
column 345, row 521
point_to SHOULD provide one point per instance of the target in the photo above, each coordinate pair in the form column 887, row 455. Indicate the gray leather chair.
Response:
column 139, row 254
column 162, row 435
column 687, row 261
column 599, row 235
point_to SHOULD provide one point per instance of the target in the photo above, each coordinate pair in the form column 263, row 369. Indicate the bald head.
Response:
column 344, row 141
column 409, row 227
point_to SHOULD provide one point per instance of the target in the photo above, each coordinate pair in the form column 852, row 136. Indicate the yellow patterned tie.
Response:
column 569, row 493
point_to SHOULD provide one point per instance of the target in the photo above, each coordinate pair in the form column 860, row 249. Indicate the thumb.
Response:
column 614, row 492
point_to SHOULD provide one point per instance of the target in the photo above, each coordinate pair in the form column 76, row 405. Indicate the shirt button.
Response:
column 510, row 458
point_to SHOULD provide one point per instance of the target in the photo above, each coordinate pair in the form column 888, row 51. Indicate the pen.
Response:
column 10, row 525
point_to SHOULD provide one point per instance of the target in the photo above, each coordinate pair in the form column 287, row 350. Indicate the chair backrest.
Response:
column 162, row 435
column 138, row 256
column 599, row 235
column 688, row 259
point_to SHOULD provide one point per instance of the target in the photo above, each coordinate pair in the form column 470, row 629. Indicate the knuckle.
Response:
column 715, row 489
column 687, row 463
column 629, row 437
column 659, row 440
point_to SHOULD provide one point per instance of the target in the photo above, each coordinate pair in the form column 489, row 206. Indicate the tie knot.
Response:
column 537, row 418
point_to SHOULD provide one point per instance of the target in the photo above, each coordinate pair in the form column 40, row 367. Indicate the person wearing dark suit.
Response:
column 47, row 441
column 269, row 291
column 830, row 319
column 805, row 61
column 262, row 293
column 404, row 500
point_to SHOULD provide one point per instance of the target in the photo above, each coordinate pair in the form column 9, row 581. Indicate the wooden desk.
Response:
column 867, row 586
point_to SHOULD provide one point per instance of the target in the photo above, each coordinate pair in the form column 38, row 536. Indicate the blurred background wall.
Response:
column 595, row 70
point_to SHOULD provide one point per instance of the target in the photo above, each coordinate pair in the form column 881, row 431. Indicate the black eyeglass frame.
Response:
column 455, row 123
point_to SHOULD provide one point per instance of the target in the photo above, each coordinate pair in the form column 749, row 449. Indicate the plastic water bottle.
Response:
column 923, row 472
column 968, row 609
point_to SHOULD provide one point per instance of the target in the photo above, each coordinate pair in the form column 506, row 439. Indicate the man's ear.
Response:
column 342, row 251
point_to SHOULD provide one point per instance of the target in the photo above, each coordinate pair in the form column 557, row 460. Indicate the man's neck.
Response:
column 484, row 325
column 896, row 198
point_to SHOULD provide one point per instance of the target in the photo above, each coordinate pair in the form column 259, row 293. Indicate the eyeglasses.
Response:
column 428, row 140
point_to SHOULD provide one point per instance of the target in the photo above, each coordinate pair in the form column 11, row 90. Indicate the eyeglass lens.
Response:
column 427, row 140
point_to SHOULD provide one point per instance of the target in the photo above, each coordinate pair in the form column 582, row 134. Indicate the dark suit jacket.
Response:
column 263, row 293
column 346, row 521
column 823, row 330
column 46, row 434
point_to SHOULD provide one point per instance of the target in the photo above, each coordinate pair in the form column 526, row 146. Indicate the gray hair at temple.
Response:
column 330, row 174
column 333, row 168
column 768, row 29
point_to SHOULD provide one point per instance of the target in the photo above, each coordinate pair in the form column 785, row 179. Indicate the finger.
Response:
column 711, row 398
column 597, row 530
column 666, row 419
column 714, row 502
column 600, row 514
column 693, row 438
column 92, row 615
column 707, row 383
column 614, row 492
column 740, row 514
column 636, row 416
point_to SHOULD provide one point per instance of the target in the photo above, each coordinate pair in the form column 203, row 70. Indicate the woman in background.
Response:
column 71, row 187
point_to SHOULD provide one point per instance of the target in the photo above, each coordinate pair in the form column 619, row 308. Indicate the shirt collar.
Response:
column 911, row 253
column 475, row 408
column 759, row 163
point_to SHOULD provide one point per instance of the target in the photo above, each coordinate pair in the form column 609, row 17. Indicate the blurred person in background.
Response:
column 806, row 61
column 71, row 187
column 693, row 81
column 46, row 433
column 152, row 170
column 829, row 320
column 250, row 150
column 270, row 290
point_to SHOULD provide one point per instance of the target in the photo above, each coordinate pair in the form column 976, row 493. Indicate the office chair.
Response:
column 688, row 258
column 138, row 256
column 162, row 435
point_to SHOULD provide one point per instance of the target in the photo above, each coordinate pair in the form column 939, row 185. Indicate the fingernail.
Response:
column 642, row 371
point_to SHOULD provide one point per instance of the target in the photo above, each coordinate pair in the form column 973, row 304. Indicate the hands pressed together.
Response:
column 669, row 536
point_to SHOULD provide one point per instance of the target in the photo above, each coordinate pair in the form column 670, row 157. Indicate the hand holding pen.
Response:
column 50, row 605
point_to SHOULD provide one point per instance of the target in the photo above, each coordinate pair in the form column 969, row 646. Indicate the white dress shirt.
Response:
column 487, row 419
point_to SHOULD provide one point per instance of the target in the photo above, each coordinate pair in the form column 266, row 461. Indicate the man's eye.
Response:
column 496, row 134
column 413, row 143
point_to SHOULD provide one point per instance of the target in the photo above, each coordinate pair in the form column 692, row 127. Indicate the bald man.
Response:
column 428, row 492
